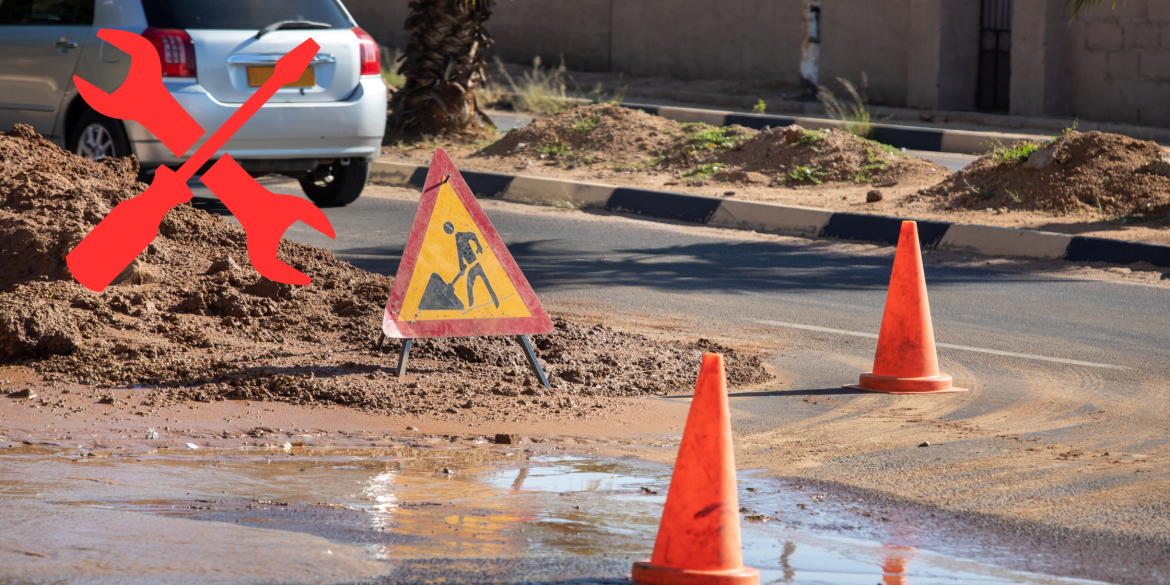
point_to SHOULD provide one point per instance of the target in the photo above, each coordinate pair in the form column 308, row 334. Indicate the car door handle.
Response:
column 65, row 44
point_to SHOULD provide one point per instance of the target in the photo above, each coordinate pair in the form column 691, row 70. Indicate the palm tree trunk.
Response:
column 443, row 63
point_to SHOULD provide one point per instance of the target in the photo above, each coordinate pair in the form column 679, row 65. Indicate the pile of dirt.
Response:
column 794, row 155
column 191, row 317
column 1078, row 172
column 623, row 138
column 591, row 134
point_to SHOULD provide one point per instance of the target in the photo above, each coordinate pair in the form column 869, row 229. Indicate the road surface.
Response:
column 1064, row 425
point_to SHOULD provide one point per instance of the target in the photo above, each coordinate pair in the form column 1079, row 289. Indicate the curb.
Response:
column 908, row 137
column 789, row 220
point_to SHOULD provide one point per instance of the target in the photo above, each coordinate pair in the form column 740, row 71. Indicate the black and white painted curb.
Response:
column 908, row 137
column 786, row 219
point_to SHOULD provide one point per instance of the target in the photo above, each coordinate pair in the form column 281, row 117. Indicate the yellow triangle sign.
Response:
column 456, row 277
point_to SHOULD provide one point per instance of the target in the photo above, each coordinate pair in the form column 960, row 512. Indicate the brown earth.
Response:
column 601, row 135
column 192, row 320
column 828, row 155
column 1077, row 173
column 608, row 136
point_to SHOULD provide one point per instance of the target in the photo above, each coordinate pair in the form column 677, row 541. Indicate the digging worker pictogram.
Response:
column 469, row 263
column 440, row 294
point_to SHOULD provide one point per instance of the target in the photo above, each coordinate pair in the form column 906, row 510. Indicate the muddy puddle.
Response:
column 410, row 514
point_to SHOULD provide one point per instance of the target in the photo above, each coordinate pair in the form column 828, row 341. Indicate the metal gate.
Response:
column 993, row 90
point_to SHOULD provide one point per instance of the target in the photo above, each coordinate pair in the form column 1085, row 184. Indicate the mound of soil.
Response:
column 1075, row 173
column 192, row 319
column 632, row 139
column 795, row 155
column 584, row 135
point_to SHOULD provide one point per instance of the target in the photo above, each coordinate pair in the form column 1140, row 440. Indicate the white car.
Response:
column 214, row 54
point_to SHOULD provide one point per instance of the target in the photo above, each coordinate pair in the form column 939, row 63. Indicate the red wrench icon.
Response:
column 133, row 224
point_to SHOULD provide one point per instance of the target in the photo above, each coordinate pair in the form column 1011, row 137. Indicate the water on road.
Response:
column 95, row 513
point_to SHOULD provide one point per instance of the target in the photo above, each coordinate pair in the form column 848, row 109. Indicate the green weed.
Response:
column 703, row 172
column 873, row 164
column 585, row 125
column 1018, row 152
column 811, row 138
column 760, row 107
column 702, row 136
column 886, row 148
column 1015, row 195
column 813, row 174
column 554, row 148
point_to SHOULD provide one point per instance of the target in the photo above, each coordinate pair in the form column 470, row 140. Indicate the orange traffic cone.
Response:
column 894, row 565
column 906, row 361
column 698, row 538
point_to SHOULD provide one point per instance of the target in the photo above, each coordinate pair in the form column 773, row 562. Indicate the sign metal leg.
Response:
column 532, row 359
column 402, row 357
column 381, row 340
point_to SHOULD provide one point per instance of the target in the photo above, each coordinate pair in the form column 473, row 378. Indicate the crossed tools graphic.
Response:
column 119, row 238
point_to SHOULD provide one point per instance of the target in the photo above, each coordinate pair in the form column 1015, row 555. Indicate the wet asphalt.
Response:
column 704, row 280
column 723, row 284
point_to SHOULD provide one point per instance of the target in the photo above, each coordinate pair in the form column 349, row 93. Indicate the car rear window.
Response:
column 46, row 12
column 240, row 14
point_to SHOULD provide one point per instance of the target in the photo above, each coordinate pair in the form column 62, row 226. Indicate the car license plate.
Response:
column 258, row 75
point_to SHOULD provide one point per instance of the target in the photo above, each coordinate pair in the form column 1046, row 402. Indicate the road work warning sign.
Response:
column 457, row 278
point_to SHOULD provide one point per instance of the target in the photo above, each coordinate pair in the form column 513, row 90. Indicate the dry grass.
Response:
column 539, row 91
column 390, row 66
column 851, row 109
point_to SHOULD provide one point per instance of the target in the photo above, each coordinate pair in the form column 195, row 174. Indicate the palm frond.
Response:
column 1077, row 5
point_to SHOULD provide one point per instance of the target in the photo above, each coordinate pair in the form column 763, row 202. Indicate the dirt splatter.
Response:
column 195, row 321
column 1076, row 173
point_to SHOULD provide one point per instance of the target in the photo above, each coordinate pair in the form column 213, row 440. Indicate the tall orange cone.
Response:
column 698, row 539
column 906, row 361
column 894, row 565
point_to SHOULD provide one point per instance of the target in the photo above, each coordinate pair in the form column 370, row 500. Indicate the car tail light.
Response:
column 369, row 52
column 175, row 50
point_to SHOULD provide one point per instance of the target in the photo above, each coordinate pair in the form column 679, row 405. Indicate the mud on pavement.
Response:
column 192, row 320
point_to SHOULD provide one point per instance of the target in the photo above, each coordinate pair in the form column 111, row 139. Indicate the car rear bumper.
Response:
column 352, row 128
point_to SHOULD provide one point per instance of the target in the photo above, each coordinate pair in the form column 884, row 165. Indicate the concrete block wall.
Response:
column 862, row 36
column 705, row 39
column 1119, row 64
column 1108, row 65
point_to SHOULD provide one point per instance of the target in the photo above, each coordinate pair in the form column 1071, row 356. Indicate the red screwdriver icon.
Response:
column 133, row 224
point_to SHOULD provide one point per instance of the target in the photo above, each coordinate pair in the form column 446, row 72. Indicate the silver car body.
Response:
column 342, row 116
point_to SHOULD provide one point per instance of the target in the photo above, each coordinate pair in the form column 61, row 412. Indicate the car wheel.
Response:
column 97, row 137
column 337, row 184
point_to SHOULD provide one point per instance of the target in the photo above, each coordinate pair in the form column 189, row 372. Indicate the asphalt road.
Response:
column 744, row 285
column 1052, row 362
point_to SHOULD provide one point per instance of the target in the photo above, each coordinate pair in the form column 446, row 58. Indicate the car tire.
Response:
column 338, row 184
column 96, row 137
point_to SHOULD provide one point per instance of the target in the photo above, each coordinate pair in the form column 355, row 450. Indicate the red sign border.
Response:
column 537, row 323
